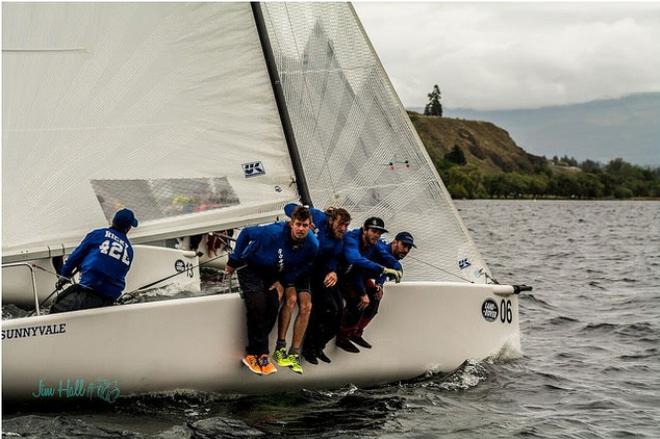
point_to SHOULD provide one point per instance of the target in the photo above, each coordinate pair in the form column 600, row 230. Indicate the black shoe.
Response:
column 321, row 356
column 310, row 357
column 358, row 340
column 346, row 345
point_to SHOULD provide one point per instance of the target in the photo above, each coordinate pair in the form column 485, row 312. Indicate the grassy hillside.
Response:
column 485, row 145
column 480, row 160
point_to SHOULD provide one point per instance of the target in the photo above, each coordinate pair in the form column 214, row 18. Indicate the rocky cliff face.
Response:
column 484, row 144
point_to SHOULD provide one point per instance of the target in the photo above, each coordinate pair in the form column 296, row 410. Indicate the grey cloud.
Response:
column 516, row 55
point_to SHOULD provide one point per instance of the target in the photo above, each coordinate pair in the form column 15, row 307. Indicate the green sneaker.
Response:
column 281, row 357
column 294, row 363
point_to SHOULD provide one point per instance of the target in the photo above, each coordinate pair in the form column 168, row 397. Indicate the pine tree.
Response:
column 434, row 107
column 456, row 156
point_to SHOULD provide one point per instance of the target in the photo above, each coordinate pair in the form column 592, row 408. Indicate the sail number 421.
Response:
column 116, row 250
column 506, row 314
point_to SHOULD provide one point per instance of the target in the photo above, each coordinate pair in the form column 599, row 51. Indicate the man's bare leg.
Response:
column 290, row 300
column 300, row 325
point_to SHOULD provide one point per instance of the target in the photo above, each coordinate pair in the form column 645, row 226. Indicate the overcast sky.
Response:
column 516, row 55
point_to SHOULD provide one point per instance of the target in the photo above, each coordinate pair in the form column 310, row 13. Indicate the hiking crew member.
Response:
column 399, row 249
column 364, row 260
column 271, row 258
column 103, row 259
column 327, row 303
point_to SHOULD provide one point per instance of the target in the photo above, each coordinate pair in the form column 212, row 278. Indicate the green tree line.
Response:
column 569, row 179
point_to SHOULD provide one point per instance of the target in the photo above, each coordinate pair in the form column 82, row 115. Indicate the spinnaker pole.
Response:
column 294, row 153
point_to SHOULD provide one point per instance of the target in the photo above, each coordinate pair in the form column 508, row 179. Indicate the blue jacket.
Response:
column 365, row 261
column 330, row 248
column 385, row 247
column 271, row 250
column 103, row 258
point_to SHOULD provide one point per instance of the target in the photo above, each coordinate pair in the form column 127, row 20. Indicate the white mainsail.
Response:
column 163, row 108
column 358, row 147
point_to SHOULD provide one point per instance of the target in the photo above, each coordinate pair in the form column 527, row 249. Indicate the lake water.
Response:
column 591, row 342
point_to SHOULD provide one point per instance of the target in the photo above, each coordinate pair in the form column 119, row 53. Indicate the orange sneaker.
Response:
column 252, row 363
column 266, row 366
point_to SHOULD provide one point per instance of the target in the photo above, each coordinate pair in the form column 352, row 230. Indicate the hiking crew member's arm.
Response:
column 77, row 255
column 245, row 241
column 355, row 258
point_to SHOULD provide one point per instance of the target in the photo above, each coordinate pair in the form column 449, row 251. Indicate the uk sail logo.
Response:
column 253, row 169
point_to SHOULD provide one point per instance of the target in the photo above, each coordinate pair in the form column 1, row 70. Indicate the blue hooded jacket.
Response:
column 330, row 248
column 385, row 247
column 271, row 250
column 103, row 258
column 365, row 261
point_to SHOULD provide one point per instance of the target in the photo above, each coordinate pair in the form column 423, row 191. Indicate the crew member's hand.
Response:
column 364, row 302
column 391, row 273
column 330, row 279
column 229, row 269
column 379, row 292
column 277, row 286
column 61, row 281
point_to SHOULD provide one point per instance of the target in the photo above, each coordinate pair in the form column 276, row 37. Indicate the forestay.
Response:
column 358, row 147
column 165, row 108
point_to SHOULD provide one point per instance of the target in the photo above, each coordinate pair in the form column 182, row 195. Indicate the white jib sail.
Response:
column 358, row 147
column 164, row 108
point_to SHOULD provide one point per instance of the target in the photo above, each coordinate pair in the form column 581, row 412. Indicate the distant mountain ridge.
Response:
column 600, row 130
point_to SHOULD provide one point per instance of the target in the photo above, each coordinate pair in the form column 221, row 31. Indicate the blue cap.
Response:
column 406, row 238
column 124, row 219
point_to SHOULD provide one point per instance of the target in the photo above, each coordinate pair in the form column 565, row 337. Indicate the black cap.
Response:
column 375, row 223
column 124, row 219
column 406, row 238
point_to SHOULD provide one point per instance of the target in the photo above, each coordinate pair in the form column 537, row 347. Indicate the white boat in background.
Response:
column 213, row 116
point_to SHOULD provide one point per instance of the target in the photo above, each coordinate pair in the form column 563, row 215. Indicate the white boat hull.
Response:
column 196, row 343
column 150, row 263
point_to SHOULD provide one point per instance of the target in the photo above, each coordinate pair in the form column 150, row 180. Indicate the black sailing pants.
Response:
column 262, row 306
column 355, row 319
column 78, row 297
column 327, row 309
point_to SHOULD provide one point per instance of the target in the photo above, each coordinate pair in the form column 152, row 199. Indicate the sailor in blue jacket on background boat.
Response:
column 269, row 259
column 364, row 259
column 327, row 303
column 103, row 259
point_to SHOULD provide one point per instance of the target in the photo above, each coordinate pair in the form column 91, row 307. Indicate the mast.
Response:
column 294, row 153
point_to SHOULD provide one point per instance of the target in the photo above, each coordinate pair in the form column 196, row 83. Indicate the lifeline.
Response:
column 33, row 331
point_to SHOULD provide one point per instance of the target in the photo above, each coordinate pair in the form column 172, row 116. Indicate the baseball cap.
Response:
column 375, row 223
column 406, row 238
column 125, row 218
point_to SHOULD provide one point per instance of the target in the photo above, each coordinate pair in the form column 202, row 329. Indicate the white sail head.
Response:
column 107, row 105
